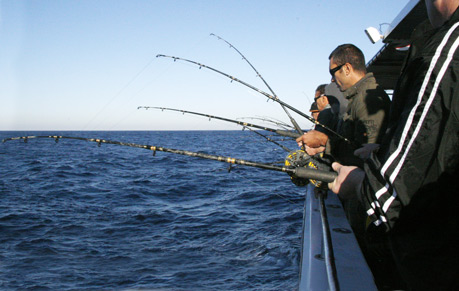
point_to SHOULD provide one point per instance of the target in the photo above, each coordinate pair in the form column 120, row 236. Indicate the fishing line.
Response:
column 119, row 92
column 192, row 48
column 129, row 114
column 309, row 100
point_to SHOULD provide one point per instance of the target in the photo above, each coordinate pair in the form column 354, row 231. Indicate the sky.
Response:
column 88, row 65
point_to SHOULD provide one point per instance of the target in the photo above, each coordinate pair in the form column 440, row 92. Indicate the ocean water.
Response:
column 75, row 216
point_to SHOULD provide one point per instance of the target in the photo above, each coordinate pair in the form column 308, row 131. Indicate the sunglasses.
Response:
column 335, row 69
column 318, row 97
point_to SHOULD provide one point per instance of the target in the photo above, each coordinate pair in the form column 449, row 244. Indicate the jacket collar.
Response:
column 351, row 91
column 453, row 19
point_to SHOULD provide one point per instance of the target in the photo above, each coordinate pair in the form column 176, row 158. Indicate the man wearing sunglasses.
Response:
column 365, row 119
column 328, row 115
column 325, row 115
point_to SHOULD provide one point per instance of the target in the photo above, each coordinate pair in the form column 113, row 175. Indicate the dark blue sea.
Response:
column 75, row 216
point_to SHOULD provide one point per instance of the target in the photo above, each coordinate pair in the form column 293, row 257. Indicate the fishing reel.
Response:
column 300, row 158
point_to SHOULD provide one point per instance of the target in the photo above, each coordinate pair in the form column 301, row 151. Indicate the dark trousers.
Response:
column 425, row 237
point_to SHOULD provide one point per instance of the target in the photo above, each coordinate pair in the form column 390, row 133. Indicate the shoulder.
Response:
column 443, row 43
column 370, row 90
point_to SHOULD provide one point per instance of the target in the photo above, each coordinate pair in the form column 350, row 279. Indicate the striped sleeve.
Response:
column 410, row 158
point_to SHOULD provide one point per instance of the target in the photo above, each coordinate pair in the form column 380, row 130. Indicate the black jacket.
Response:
column 411, row 189
column 422, row 141
column 329, row 118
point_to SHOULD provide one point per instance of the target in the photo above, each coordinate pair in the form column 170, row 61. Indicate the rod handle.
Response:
column 308, row 173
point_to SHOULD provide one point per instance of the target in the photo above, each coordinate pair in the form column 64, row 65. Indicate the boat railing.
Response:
column 331, row 258
column 327, row 245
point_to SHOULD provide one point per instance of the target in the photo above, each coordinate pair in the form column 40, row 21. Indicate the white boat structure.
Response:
column 331, row 258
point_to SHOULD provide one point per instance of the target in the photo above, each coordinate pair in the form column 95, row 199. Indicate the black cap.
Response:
column 314, row 107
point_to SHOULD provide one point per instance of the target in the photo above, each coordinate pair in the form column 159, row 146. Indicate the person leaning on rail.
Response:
column 365, row 119
column 410, row 186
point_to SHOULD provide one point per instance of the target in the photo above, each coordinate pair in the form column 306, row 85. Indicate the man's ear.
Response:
column 348, row 69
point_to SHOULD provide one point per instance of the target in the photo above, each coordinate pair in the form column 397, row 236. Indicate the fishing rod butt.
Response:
column 309, row 173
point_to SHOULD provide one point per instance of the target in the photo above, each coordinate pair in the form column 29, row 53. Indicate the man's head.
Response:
column 320, row 98
column 347, row 65
column 439, row 11
column 314, row 111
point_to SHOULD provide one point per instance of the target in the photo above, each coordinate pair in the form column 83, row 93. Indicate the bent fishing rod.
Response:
column 292, row 120
column 300, row 172
column 270, row 120
column 269, row 96
column 268, row 139
column 277, row 131
column 243, row 124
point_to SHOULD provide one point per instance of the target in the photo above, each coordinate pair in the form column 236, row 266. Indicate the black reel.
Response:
column 300, row 158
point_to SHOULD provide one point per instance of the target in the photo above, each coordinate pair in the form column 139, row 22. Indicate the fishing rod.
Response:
column 269, row 96
column 271, row 120
column 299, row 172
column 292, row 120
column 279, row 132
column 268, row 139
column 244, row 125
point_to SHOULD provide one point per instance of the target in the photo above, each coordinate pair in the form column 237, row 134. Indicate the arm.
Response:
column 313, row 139
column 348, row 182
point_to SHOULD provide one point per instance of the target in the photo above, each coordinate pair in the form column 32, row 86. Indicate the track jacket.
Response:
column 414, row 177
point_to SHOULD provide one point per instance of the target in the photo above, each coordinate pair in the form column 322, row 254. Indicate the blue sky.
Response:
column 88, row 65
